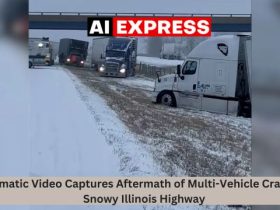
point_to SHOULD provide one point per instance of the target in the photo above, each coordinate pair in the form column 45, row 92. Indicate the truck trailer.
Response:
column 215, row 77
column 40, row 52
column 120, row 57
column 72, row 52
column 98, row 52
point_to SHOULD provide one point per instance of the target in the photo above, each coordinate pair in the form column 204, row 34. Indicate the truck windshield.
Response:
column 39, row 47
column 76, row 51
column 118, row 44
column 115, row 53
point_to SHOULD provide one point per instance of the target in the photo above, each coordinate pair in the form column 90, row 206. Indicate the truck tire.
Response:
column 30, row 64
column 167, row 98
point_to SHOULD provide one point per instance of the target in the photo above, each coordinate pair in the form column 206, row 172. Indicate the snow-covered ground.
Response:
column 14, row 112
column 134, row 159
column 158, row 61
column 52, row 124
column 142, row 83
column 74, row 133
column 176, row 137
column 64, row 137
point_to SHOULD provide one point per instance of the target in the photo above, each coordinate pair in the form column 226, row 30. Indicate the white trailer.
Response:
column 214, row 78
column 55, row 50
column 98, row 54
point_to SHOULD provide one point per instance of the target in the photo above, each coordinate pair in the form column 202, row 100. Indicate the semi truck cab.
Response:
column 75, row 59
column 214, row 78
column 40, row 52
column 120, row 59
column 73, row 52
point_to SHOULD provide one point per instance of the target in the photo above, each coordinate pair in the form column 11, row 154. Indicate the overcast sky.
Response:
column 138, row 6
column 170, row 6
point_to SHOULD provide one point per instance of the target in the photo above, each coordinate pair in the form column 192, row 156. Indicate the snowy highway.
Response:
column 47, row 129
column 74, row 132
column 175, row 137
column 70, row 122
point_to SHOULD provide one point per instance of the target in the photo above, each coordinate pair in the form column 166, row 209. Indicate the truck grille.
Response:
column 112, row 67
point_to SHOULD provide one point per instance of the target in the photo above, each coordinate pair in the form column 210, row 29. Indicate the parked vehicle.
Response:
column 72, row 52
column 120, row 57
column 215, row 77
column 40, row 52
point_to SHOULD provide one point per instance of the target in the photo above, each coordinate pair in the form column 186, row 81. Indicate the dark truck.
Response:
column 72, row 52
column 120, row 57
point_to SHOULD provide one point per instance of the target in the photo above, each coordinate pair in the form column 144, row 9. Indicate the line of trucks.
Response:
column 114, row 57
column 69, row 51
column 214, row 77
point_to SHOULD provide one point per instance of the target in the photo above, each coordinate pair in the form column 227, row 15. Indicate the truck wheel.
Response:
column 168, row 99
column 30, row 64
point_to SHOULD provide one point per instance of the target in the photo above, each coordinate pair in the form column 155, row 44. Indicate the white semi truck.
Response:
column 40, row 52
column 215, row 77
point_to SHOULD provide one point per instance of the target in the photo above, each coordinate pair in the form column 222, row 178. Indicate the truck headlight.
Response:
column 82, row 62
column 123, row 71
column 68, row 60
column 102, row 68
column 40, row 45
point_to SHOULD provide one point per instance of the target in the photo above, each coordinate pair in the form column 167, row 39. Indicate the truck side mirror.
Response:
column 179, row 70
column 158, row 76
